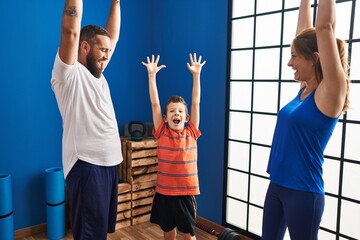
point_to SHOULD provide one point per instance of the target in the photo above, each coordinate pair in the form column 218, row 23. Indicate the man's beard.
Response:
column 92, row 65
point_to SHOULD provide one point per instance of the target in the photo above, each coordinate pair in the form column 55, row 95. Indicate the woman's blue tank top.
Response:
column 297, row 153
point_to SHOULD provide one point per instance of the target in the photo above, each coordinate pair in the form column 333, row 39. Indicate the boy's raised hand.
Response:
column 152, row 66
column 195, row 64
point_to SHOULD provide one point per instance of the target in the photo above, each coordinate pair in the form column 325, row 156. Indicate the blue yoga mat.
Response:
column 7, row 227
column 55, row 186
column 55, row 221
column 6, row 205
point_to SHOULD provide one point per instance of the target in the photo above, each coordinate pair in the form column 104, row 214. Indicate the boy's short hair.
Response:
column 176, row 99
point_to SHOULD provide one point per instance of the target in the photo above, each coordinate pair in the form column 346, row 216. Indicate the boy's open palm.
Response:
column 152, row 66
column 195, row 64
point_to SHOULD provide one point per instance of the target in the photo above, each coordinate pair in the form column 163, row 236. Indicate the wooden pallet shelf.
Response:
column 123, row 218
column 139, row 169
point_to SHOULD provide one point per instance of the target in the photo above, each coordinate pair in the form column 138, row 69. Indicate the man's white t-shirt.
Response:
column 90, row 130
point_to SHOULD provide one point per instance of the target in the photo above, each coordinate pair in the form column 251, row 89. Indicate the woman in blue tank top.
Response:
column 295, row 196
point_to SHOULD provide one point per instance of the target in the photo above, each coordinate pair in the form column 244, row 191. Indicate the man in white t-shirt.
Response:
column 91, row 143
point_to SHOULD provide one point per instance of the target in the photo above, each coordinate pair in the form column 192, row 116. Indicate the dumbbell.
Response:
column 225, row 234
column 228, row 234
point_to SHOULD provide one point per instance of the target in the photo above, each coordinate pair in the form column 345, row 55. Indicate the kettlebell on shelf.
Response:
column 137, row 130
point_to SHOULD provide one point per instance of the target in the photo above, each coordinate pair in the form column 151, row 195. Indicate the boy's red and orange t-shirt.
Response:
column 177, row 160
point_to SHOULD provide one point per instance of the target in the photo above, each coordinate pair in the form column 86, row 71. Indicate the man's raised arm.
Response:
column 70, row 31
column 113, row 24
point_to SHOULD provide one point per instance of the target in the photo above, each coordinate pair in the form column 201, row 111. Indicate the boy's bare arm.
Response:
column 152, row 69
column 195, row 67
column 155, row 103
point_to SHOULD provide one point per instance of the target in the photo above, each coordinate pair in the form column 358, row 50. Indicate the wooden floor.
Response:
column 143, row 231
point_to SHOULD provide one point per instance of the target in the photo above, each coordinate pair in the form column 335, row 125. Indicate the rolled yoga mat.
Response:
column 55, row 186
column 55, row 221
column 55, row 203
column 7, row 227
column 6, row 208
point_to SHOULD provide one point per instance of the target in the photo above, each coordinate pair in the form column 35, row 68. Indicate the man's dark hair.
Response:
column 89, row 33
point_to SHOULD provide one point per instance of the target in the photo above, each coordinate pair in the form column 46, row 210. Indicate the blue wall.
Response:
column 30, row 123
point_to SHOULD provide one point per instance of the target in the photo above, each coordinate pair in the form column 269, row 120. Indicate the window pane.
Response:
column 291, row 4
column 343, row 16
column 241, row 64
column 352, row 150
column 267, row 64
column 240, row 96
column 258, row 188
column 238, row 156
column 288, row 92
column 268, row 29
column 237, row 185
column 287, row 236
column 350, row 220
column 268, row 6
column 265, row 97
column 287, row 73
column 334, row 145
column 328, row 219
column 243, row 7
column 263, row 128
column 326, row 235
column 354, row 110
column 357, row 23
column 351, row 180
column 331, row 170
column 259, row 160
column 255, row 220
column 355, row 61
column 236, row 213
column 239, row 126
column 290, row 22
column 242, row 33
